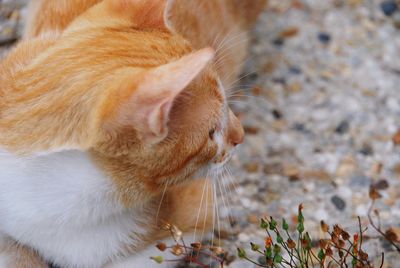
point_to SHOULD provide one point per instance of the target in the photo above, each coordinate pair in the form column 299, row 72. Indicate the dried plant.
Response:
column 295, row 250
column 282, row 249
column 194, row 253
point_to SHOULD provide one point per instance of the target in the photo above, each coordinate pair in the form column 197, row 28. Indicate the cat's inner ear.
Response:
column 148, row 108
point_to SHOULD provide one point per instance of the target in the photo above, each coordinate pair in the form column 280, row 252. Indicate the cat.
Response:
column 101, row 111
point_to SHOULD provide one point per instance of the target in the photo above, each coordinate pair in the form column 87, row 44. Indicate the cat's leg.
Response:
column 15, row 255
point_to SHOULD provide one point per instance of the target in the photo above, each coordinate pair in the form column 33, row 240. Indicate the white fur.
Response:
column 61, row 205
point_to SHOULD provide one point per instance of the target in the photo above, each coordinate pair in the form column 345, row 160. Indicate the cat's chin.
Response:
column 212, row 170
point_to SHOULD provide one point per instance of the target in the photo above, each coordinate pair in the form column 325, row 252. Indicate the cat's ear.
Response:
column 131, row 13
column 147, row 108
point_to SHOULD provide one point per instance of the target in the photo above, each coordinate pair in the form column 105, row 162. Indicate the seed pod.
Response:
column 176, row 233
column 345, row 235
column 323, row 243
column 196, row 245
column 324, row 227
column 161, row 246
column 337, row 230
column 158, row 259
column 177, row 250
column 291, row 244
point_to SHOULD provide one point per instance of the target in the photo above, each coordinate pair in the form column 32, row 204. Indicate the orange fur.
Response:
column 221, row 24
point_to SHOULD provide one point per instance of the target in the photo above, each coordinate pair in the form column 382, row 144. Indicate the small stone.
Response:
column 389, row 7
column 251, row 167
column 338, row 202
column 243, row 238
column 360, row 181
column 396, row 169
column 273, row 169
column 295, row 70
column 396, row 20
column 223, row 234
column 256, row 91
column 289, row 32
column 278, row 42
column 376, row 168
column 381, row 185
column 396, row 138
column 355, row 3
column 294, row 87
column 269, row 67
column 292, row 172
column 321, row 215
column 253, row 219
column 251, row 130
column 366, row 149
column 324, row 38
column 277, row 114
column 343, row 127
column 347, row 167
column 317, row 174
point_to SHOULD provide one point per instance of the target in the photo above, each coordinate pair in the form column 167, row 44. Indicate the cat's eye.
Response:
column 211, row 133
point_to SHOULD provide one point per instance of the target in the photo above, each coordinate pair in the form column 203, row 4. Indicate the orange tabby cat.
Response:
column 99, row 114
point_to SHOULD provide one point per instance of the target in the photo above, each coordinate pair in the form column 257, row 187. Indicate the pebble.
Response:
column 366, row 149
column 396, row 20
column 343, row 127
column 389, row 7
column 347, row 166
column 360, row 181
column 338, row 202
column 324, row 38
column 277, row 114
column 244, row 238
column 251, row 167
column 321, row 215
column 381, row 185
column 396, row 138
column 296, row 70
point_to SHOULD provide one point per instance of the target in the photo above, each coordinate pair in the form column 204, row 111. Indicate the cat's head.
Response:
column 121, row 86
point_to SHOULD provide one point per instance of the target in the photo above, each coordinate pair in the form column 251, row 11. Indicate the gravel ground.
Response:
column 321, row 114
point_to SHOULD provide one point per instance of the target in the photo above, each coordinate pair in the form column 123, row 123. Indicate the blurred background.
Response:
column 320, row 102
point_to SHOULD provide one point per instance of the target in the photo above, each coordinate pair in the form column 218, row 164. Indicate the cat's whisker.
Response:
column 199, row 211
column 218, row 63
column 205, row 214
column 233, row 73
column 242, row 98
column 238, row 92
column 216, row 208
column 229, row 87
column 224, row 39
column 224, row 194
column 162, row 198
column 228, row 39
column 231, row 180
column 213, row 214
column 226, row 51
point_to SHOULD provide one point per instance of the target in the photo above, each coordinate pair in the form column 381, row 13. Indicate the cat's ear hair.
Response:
column 141, row 14
column 147, row 108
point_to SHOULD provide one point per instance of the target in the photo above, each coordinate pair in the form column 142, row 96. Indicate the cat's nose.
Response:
column 236, row 131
